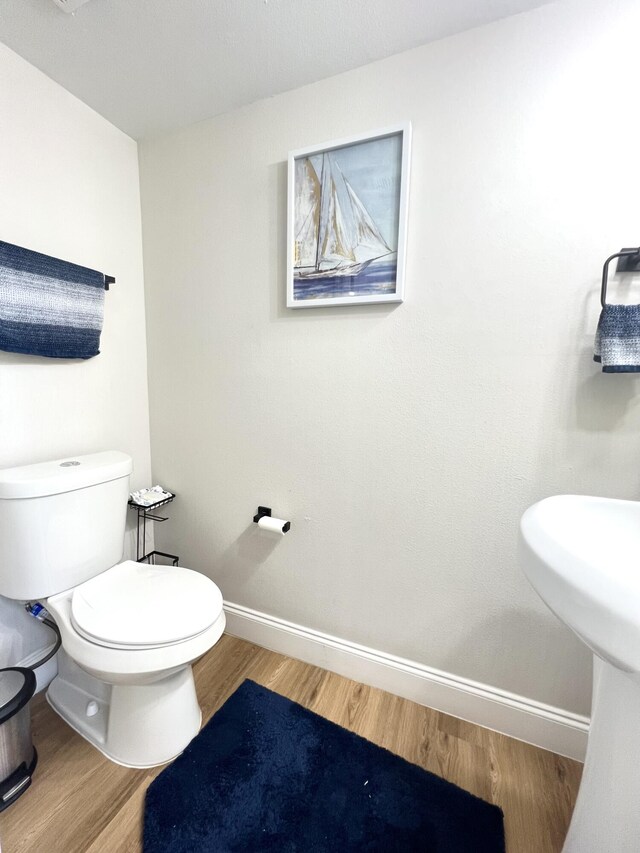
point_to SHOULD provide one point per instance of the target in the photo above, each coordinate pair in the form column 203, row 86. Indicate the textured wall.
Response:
column 69, row 188
column 405, row 442
column 69, row 184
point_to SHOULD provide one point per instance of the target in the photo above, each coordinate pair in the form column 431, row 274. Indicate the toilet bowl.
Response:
column 130, row 631
column 129, row 637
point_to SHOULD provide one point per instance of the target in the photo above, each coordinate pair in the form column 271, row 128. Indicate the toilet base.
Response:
column 134, row 725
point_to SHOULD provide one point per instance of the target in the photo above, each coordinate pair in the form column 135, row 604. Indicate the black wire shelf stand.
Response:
column 148, row 513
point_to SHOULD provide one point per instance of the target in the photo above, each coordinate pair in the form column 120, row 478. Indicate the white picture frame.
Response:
column 347, row 207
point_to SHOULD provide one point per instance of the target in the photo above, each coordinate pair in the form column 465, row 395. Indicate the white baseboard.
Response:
column 525, row 719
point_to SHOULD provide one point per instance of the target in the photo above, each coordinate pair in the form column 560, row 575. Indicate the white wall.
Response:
column 69, row 188
column 405, row 442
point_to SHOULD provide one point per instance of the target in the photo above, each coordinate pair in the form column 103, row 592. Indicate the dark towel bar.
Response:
column 629, row 262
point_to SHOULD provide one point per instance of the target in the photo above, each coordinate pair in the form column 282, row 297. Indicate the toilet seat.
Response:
column 138, row 606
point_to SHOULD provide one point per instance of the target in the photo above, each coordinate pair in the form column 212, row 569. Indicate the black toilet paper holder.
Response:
column 266, row 510
column 262, row 511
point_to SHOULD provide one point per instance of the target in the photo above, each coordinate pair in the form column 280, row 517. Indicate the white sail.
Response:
column 334, row 241
column 307, row 214
column 369, row 242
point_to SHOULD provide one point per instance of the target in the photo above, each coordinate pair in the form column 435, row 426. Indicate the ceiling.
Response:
column 151, row 66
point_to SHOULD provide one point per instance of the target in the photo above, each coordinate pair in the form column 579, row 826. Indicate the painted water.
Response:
column 376, row 279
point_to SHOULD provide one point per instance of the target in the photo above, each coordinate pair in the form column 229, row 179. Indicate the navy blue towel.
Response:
column 49, row 307
column 617, row 345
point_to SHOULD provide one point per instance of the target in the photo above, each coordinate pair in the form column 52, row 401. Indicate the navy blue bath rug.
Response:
column 265, row 774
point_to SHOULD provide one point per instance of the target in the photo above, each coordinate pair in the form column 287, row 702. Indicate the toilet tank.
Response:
column 61, row 522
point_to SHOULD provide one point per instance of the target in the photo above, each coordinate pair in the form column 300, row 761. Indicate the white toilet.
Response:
column 130, row 631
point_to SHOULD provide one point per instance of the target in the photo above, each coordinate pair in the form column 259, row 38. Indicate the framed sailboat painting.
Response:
column 347, row 220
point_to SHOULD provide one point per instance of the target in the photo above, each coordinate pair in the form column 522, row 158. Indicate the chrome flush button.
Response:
column 69, row 464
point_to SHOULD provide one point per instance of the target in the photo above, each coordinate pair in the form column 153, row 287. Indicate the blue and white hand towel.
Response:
column 617, row 345
column 49, row 307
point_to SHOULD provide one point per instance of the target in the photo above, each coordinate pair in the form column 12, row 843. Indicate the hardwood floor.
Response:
column 80, row 802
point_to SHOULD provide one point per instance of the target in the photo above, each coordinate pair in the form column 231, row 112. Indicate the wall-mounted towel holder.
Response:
column 628, row 261
column 108, row 279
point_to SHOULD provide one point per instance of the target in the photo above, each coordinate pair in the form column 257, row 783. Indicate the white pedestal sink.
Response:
column 582, row 556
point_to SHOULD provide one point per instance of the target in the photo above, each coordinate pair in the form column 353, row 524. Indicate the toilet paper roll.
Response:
column 274, row 525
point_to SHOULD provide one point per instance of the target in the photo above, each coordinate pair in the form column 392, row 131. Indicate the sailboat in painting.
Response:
column 334, row 233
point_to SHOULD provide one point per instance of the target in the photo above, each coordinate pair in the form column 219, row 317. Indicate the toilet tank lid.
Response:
column 63, row 475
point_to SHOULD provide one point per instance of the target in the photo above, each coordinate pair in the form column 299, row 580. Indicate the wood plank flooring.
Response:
column 82, row 803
